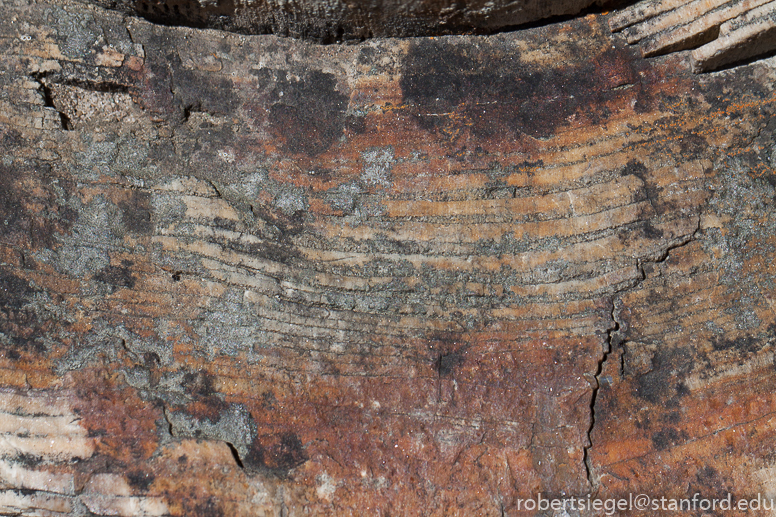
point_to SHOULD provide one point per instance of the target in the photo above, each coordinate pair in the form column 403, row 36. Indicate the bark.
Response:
column 245, row 275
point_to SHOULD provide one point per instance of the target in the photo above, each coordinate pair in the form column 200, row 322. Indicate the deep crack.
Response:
column 614, row 339
column 616, row 306
column 48, row 100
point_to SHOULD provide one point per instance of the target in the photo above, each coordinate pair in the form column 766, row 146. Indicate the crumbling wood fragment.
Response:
column 722, row 32
column 245, row 275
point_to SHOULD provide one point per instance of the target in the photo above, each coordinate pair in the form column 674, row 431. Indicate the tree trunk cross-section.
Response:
column 243, row 275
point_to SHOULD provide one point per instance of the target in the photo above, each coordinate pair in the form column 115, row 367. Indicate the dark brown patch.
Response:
column 276, row 453
column 309, row 116
column 136, row 212
column 659, row 383
column 140, row 480
column 493, row 91
column 203, row 92
column 198, row 384
column 744, row 344
column 28, row 207
column 209, row 508
column 19, row 322
column 117, row 276
column 667, row 438
column 449, row 352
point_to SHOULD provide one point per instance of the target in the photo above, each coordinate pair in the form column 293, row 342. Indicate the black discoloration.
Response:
column 307, row 115
column 668, row 437
column 652, row 385
column 745, row 344
column 672, row 418
column 656, row 385
column 493, row 91
column 270, row 250
column 117, row 276
column 450, row 352
column 140, row 480
column 650, row 232
column 10, row 139
column 202, row 92
column 693, row 146
column 287, row 225
column 277, row 454
column 136, row 212
column 268, row 400
column 648, row 191
column 635, row 168
column 208, row 508
column 448, row 362
column 18, row 321
column 198, row 384
column 273, row 251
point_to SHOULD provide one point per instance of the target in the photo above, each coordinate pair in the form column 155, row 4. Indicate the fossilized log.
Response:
column 245, row 275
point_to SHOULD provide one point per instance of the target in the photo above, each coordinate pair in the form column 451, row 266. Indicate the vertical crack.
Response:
column 616, row 335
column 170, row 428
column 613, row 340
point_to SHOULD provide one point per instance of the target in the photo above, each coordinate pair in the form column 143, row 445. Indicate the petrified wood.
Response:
column 244, row 275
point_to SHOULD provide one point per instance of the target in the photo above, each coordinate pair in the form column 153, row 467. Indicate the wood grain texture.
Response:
column 255, row 276
column 723, row 33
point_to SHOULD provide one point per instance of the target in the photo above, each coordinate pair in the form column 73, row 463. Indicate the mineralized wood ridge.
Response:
column 249, row 275
column 722, row 32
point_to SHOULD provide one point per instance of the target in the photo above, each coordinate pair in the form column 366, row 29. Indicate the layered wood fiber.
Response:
column 256, row 276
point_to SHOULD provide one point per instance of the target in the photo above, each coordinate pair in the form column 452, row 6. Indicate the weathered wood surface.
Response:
column 330, row 21
column 248, row 275
column 722, row 32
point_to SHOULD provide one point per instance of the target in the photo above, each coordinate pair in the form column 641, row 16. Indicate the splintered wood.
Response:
column 247, row 275
column 722, row 32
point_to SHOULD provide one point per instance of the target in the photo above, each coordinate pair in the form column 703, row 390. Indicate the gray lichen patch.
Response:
column 77, row 31
column 378, row 162
column 96, row 159
column 233, row 425
column 85, row 250
column 228, row 326
column 290, row 200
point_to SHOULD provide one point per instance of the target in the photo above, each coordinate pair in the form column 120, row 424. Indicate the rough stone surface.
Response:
column 256, row 276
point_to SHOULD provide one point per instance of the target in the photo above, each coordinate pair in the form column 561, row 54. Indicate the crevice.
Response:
column 235, row 455
column 615, row 336
column 48, row 101
column 218, row 191
column 613, row 340
column 345, row 30
column 43, row 78
column 687, row 239
column 167, row 419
